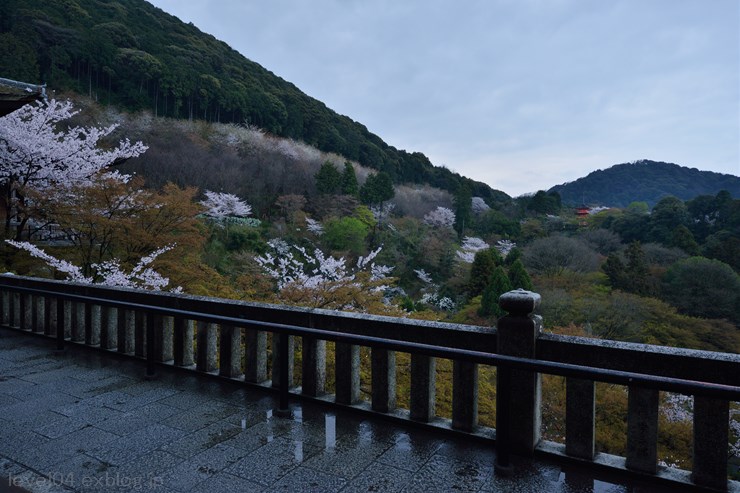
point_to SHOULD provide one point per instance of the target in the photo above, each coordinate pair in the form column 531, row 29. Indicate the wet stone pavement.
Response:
column 88, row 421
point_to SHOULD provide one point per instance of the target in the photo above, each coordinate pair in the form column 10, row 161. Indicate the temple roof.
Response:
column 14, row 94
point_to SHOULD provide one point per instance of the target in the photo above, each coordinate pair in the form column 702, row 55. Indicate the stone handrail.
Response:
column 239, row 351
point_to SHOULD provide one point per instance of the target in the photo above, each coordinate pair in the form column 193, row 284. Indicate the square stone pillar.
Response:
column 383, row 364
column 313, row 373
column 255, row 356
column 347, row 373
column 517, row 336
column 276, row 360
column 423, row 388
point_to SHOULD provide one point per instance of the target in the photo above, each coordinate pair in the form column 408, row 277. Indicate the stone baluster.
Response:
column 255, row 356
column 26, row 309
column 230, row 364
column 464, row 395
column 423, row 394
column 126, row 331
column 711, row 434
column 37, row 314
column 183, row 333
column 383, row 367
column 347, row 373
column 163, row 337
column 642, row 430
column 207, row 347
column 276, row 360
column 580, row 411
column 313, row 367
column 108, row 327
column 92, row 324
column 140, row 334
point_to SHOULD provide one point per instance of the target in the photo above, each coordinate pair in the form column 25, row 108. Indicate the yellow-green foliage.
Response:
column 613, row 314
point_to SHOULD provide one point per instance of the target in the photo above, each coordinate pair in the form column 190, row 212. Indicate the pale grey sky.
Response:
column 520, row 94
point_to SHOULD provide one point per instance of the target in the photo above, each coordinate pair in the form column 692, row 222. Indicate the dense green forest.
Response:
column 644, row 181
column 134, row 55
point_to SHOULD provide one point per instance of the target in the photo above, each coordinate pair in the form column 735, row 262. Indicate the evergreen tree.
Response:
column 637, row 271
column 615, row 270
column 514, row 255
column 349, row 180
column 463, row 202
column 328, row 179
column 498, row 285
column 682, row 238
column 377, row 189
column 631, row 276
column 519, row 277
column 481, row 270
column 545, row 203
column 667, row 215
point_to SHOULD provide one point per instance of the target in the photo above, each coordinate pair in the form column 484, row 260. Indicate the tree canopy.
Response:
column 134, row 55
column 644, row 180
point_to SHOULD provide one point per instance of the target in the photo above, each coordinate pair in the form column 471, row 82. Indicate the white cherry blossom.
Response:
column 441, row 217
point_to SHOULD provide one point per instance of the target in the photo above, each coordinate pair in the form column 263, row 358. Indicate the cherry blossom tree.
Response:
column 220, row 206
column 424, row 276
column 314, row 226
column 431, row 296
column 504, row 247
column 441, row 217
column 321, row 281
column 479, row 206
column 382, row 212
column 35, row 154
column 470, row 246
column 109, row 272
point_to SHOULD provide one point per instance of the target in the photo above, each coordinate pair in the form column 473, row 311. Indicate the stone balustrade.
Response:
column 184, row 331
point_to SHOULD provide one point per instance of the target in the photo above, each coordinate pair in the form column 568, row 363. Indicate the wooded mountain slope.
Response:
column 644, row 181
column 132, row 54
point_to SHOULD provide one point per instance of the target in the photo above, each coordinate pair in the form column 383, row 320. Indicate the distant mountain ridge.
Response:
column 644, row 181
column 131, row 54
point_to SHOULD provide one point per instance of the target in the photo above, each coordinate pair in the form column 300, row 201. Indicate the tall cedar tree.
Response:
column 349, row 180
column 631, row 277
column 328, row 179
column 498, row 285
column 519, row 277
column 682, row 238
column 463, row 202
column 484, row 263
column 377, row 189
column 637, row 269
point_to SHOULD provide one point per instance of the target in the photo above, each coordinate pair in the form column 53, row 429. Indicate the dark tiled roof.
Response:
column 14, row 94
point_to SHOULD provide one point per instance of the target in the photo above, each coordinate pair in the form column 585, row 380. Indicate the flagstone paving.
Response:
column 88, row 421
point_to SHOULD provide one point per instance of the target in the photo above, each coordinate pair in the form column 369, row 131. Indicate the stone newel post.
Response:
column 517, row 336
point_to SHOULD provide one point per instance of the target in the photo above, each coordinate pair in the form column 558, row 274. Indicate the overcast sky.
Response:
column 520, row 94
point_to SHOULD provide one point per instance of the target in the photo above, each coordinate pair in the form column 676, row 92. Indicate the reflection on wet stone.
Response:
column 330, row 425
column 298, row 452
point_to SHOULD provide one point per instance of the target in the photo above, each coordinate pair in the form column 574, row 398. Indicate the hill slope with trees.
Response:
column 644, row 181
column 136, row 56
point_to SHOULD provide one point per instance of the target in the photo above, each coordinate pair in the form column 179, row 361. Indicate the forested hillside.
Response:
column 134, row 55
column 644, row 181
